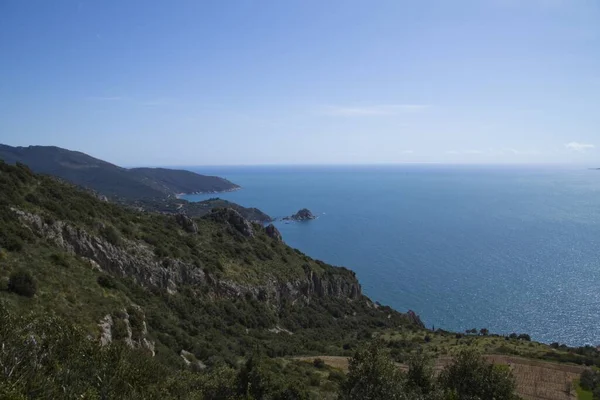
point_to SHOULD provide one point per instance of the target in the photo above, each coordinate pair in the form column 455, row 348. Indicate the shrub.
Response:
column 337, row 376
column 111, row 235
column 319, row 363
column 315, row 380
column 22, row 283
column 59, row 259
column 589, row 379
column 107, row 281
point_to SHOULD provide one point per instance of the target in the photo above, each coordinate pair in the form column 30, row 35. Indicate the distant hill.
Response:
column 109, row 179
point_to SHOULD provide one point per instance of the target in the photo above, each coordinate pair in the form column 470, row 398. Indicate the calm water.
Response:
column 510, row 249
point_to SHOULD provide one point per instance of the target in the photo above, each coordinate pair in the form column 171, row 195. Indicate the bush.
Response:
column 589, row 379
column 107, row 281
column 22, row 283
column 111, row 235
column 319, row 363
column 59, row 259
column 469, row 376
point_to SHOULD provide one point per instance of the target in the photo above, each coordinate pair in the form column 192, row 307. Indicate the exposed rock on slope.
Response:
column 186, row 223
column 136, row 260
column 232, row 218
column 128, row 325
column 273, row 232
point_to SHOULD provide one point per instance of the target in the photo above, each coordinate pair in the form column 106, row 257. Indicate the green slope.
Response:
column 218, row 293
column 109, row 179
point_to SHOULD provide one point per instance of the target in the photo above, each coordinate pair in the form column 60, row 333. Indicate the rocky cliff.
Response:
column 137, row 260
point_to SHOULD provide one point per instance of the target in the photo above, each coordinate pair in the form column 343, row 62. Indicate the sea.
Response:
column 507, row 248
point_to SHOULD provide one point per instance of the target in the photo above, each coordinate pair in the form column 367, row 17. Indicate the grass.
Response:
column 440, row 343
column 583, row 394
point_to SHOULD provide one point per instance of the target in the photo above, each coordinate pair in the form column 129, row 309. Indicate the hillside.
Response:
column 111, row 180
column 188, row 305
column 199, row 208
column 210, row 290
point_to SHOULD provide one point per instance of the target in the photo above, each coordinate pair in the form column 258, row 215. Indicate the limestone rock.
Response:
column 273, row 232
column 186, row 223
column 232, row 218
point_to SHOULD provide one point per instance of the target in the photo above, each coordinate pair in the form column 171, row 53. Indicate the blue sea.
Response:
column 511, row 249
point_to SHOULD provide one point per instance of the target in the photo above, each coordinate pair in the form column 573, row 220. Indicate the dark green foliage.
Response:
column 319, row 363
column 59, row 259
column 372, row 376
column 469, row 376
column 420, row 376
column 22, row 283
column 107, row 281
column 261, row 378
column 590, row 380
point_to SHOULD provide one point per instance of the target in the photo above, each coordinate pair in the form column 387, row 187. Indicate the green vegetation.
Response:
column 111, row 180
column 222, row 307
column 583, row 394
column 44, row 356
column 218, row 294
column 198, row 209
column 403, row 343
column 373, row 376
column 589, row 384
column 22, row 283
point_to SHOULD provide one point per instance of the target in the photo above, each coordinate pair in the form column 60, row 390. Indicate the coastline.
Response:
column 180, row 195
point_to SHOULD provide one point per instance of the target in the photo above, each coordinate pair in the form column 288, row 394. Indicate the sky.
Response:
column 226, row 82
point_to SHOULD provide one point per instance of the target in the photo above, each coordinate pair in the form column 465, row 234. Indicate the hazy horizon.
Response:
column 304, row 82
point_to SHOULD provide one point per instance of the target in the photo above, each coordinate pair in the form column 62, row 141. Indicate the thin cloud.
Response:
column 579, row 147
column 372, row 111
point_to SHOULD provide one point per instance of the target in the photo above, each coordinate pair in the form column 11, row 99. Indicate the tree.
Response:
column 589, row 379
column 22, row 283
column 420, row 377
column 372, row 376
column 524, row 336
column 469, row 376
column 484, row 331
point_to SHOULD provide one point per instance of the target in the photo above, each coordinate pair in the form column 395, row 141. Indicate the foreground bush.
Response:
column 22, row 283
column 372, row 375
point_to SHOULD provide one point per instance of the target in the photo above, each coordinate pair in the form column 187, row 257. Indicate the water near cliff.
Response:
column 506, row 248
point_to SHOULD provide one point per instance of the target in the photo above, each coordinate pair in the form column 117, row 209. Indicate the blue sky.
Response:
column 304, row 82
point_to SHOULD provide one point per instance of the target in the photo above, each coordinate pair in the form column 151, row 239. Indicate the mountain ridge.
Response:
column 112, row 180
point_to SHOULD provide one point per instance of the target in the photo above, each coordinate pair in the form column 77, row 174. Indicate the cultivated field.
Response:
column 536, row 380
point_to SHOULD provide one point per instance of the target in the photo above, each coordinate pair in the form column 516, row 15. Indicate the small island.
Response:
column 303, row 215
